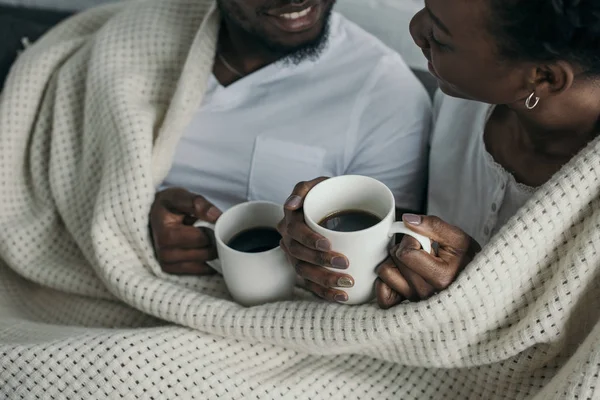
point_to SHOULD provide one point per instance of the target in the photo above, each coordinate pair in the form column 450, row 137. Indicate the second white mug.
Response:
column 252, row 278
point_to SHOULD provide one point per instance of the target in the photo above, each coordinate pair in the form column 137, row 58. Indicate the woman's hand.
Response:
column 309, row 252
column 180, row 247
column 413, row 274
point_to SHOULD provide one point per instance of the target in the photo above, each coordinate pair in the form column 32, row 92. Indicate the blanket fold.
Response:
column 89, row 119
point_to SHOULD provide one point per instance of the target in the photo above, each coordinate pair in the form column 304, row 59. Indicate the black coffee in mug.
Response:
column 349, row 221
column 255, row 240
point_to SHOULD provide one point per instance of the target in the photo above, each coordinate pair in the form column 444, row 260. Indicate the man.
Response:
column 297, row 92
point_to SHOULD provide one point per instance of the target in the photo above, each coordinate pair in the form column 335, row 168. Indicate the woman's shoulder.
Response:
column 454, row 116
column 456, row 119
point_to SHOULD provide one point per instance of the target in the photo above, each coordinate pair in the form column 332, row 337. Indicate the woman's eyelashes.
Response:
column 432, row 39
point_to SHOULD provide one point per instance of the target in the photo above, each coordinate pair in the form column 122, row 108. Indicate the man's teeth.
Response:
column 296, row 15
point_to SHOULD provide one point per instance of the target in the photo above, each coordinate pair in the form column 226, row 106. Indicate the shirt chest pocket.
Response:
column 277, row 166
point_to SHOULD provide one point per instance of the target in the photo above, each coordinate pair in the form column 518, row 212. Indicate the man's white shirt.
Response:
column 357, row 109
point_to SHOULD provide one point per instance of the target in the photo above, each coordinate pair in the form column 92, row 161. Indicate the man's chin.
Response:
column 306, row 50
column 307, row 46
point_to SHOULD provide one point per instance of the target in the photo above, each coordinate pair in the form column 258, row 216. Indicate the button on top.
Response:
column 494, row 207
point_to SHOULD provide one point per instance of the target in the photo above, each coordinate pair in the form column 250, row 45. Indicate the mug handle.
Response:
column 399, row 227
column 214, row 264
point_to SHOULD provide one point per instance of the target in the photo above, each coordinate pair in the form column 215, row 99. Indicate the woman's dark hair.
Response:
column 549, row 30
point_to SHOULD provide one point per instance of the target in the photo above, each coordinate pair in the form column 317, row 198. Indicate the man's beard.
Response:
column 310, row 50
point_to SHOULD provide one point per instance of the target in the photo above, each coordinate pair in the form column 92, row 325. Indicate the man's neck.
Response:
column 245, row 52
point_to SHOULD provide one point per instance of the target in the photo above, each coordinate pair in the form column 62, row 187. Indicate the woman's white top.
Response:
column 467, row 188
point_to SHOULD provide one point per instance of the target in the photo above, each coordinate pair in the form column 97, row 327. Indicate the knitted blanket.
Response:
column 89, row 119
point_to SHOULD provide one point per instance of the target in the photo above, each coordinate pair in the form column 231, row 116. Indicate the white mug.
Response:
column 364, row 249
column 251, row 278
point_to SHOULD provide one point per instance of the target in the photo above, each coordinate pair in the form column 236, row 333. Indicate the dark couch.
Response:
column 17, row 23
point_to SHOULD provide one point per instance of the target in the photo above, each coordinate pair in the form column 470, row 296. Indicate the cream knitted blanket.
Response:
column 89, row 119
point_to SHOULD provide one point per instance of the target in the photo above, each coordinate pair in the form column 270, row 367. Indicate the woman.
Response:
column 520, row 99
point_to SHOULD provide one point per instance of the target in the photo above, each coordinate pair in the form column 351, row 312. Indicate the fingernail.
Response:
column 345, row 282
column 213, row 213
column 323, row 245
column 341, row 297
column 339, row 262
column 293, row 201
column 412, row 219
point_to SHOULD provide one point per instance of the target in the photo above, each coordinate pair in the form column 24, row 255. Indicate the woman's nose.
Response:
column 418, row 29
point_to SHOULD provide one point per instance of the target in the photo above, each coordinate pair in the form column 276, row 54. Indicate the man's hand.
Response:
column 415, row 275
column 309, row 252
column 180, row 247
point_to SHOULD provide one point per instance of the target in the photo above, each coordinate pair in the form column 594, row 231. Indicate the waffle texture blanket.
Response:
column 89, row 119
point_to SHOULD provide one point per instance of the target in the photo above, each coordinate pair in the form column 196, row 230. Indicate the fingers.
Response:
column 423, row 271
column 181, row 201
column 393, row 279
column 321, row 281
column 328, row 294
column 182, row 237
column 180, row 248
column 422, row 289
column 295, row 201
column 177, row 256
column 205, row 210
column 320, row 258
column 386, row 296
column 294, row 227
column 323, row 276
column 300, row 242
column 448, row 236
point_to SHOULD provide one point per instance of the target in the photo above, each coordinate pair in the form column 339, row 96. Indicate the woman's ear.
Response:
column 553, row 79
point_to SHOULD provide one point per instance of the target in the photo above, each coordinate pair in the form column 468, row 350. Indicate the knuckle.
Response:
column 293, row 247
column 384, row 303
column 404, row 250
column 165, row 257
column 425, row 292
column 442, row 281
column 282, row 245
column 321, row 259
column 385, row 298
column 167, row 237
column 386, row 270
column 160, row 195
column 324, row 292
column 329, row 280
column 307, row 238
column 300, row 187
column 282, row 227
column 436, row 223
column 289, row 227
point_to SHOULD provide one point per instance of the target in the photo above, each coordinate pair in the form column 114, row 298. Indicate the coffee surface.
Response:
column 349, row 221
column 255, row 240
